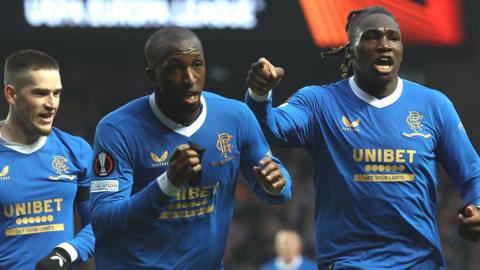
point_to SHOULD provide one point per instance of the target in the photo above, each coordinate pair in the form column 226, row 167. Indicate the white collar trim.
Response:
column 23, row 148
column 182, row 130
column 379, row 103
column 294, row 264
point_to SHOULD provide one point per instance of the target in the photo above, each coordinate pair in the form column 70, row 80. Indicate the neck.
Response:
column 182, row 117
column 375, row 87
column 289, row 260
column 12, row 131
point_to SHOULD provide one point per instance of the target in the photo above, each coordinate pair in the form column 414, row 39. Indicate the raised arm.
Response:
column 285, row 125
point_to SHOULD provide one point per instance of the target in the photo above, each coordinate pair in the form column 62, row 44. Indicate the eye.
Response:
column 370, row 35
column 393, row 35
column 173, row 68
column 39, row 93
column 198, row 64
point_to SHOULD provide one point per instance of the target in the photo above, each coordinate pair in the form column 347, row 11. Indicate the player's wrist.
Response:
column 258, row 96
column 57, row 259
column 166, row 186
column 72, row 252
column 273, row 192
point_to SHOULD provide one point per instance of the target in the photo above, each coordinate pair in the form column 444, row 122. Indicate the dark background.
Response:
column 104, row 68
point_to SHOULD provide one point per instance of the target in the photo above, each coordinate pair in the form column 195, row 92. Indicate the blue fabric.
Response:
column 37, row 198
column 136, row 224
column 375, row 173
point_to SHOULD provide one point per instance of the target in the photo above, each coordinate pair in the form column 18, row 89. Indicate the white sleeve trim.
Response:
column 72, row 252
column 273, row 193
column 259, row 98
column 166, row 186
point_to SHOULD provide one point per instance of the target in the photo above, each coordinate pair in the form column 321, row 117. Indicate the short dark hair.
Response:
column 20, row 62
column 156, row 44
column 353, row 21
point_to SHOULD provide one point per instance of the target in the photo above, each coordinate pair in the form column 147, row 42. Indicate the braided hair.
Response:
column 353, row 20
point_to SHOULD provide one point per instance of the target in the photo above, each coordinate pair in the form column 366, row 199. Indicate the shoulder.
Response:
column 224, row 105
column 423, row 92
column 127, row 113
column 75, row 147
column 321, row 92
column 308, row 263
column 270, row 265
column 60, row 136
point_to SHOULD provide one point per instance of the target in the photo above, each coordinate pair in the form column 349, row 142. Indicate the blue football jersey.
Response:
column 137, row 225
column 37, row 196
column 375, row 173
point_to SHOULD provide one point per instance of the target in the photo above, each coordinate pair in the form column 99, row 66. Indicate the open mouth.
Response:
column 191, row 98
column 384, row 65
column 46, row 118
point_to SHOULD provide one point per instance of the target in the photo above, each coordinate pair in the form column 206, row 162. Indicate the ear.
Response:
column 150, row 74
column 10, row 94
column 348, row 48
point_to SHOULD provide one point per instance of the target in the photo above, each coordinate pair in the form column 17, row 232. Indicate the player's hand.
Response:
column 270, row 176
column 184, row 163
column 58, row 259
column 263, row 76
column 469, row 223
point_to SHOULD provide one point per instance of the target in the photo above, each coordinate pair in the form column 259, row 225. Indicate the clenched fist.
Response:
column 263, row 76
column 270, row 176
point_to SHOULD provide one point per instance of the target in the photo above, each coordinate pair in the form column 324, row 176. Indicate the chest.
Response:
column 394, row 134
column 39, row 176
column 220, row 158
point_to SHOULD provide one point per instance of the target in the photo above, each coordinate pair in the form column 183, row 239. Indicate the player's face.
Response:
column 180, row 77
column 377, row 48
column 35, row 105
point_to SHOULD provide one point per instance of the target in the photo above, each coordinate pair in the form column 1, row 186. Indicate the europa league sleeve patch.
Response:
column 103, row 164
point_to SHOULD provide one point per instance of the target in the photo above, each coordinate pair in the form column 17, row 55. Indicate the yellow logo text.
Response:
column 384, row 155
column 32, row 207
column 192, row 201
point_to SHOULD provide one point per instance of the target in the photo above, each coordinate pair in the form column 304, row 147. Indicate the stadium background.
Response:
column 103, row 68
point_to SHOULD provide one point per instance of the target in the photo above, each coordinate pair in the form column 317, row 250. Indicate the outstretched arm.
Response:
column 287, row 124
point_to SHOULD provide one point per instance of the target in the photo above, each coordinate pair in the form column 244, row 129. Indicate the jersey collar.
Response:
column 23, row 148
column 180, row 129
column 379, row 103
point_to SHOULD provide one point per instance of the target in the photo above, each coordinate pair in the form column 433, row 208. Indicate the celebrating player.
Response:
column 43, row 172
column 166, row 166
column 374, row 140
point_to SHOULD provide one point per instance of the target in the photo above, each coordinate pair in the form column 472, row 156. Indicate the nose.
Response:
column 189, row 76
column 384, row 44
column 52, row 101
